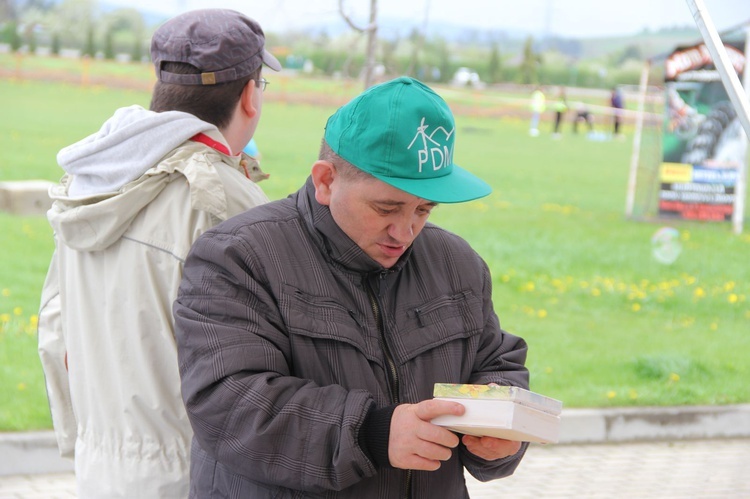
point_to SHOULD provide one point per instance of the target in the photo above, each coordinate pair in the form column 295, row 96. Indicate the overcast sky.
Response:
column 574, row 18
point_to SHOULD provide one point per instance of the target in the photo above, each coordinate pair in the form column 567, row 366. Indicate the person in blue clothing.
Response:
column 251, row 149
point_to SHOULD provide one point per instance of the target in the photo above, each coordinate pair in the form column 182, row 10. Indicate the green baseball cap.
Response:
column 402, row 132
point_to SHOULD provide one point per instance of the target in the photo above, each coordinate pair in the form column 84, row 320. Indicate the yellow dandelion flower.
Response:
column 529, row 286
column 729, row 286
column 6, row 317
column 636, row 307
column 674, row 377
column 481, row 206
column 699, row 292
column 548, row 370
column 714, row 326
column 596, row 292
column 611, row 394
column 633, row 394
column 21, row 386
column 505, row 278
column 6, row 292
column 732, row 298
column 685, row 235
column 541, row 313
column 687, row 321
column 34, row 320
column 17, row 311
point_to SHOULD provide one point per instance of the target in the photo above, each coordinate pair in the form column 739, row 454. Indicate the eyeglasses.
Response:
column 262, row 83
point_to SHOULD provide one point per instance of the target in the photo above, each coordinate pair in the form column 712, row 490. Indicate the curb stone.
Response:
column 633, row 424
column 31, row 453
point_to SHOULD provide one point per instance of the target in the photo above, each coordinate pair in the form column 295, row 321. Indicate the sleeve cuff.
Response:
column 375, row 433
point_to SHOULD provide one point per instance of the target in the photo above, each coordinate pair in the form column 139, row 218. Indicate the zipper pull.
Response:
column 382, row 283
column 354, row 316
column 418, row 313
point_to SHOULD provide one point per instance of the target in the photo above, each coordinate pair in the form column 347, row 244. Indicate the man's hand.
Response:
column 490, row 448
column 417, row 444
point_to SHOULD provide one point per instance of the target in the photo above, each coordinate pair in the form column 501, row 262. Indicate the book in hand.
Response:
column 507, row 412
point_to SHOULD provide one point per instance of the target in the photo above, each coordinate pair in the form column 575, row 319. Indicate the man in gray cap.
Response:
column 135, row 196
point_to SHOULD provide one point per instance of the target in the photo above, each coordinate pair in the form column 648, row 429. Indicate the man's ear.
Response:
column 323, row 174
column 246, row 99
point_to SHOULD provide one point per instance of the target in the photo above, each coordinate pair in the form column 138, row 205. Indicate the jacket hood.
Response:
column 128, row 144
column 107, row 183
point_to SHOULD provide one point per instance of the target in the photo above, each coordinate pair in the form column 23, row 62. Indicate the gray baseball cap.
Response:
column 223, row 44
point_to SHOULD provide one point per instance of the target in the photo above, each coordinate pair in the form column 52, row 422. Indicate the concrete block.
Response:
column 25, row 197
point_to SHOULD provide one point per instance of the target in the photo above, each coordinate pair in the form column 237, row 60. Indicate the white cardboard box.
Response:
column 505, row 412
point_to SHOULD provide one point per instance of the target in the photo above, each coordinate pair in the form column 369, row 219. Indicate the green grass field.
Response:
column 606, row 323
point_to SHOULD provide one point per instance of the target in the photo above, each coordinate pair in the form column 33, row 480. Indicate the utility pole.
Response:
column 372, row 38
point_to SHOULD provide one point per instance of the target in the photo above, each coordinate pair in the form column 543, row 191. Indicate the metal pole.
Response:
column 740, row 186
column 635, row 156
column 734, row 89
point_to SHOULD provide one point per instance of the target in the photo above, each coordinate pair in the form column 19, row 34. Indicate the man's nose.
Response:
column 403, row 230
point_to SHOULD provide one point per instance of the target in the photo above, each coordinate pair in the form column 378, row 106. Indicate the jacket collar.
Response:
column 332, row 241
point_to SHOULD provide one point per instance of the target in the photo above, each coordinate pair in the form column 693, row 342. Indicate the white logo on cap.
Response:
column 439, row 155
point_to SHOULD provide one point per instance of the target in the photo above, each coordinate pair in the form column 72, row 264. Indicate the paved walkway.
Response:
column 716, row 468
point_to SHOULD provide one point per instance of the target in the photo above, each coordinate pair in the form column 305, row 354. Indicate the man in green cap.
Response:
column 311, row 330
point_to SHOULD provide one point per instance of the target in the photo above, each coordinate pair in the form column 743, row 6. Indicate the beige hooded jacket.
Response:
column 106, row 307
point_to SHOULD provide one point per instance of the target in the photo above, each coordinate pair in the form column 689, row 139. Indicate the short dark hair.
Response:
column 343, row 167
column 211, row 103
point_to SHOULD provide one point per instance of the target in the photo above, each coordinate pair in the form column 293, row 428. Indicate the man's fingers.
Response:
column 490, row 448
column 430, row 409
column 433, row 451
column 438, row 435
column 414, row 462
column 415, row 443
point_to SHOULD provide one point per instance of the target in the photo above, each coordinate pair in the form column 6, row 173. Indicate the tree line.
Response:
column 84, row 26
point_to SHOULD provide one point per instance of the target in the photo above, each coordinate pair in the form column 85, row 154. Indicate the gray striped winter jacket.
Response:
column 289, row 335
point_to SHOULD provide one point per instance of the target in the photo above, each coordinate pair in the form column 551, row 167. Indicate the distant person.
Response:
column 135, row 196
column 561, row 107
column 251, row 149
column 311, row 330
column 538, row 106
column 583, row 115
column 616, row 102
